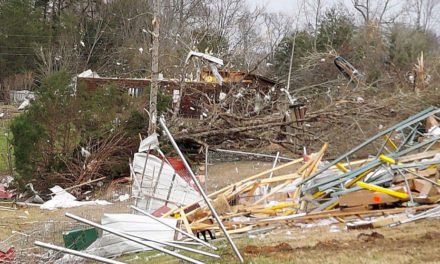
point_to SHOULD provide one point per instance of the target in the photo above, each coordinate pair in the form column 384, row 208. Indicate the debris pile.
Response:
column 396, row 185
column 401, row 177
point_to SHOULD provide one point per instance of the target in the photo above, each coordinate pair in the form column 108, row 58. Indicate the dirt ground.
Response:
column 410, row 243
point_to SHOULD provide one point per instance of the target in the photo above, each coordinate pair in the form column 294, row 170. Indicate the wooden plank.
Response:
column 250, row 193
column 237, row 231
column 311, row 163
column 256, row 176
column 340, row 215
column 185, row 221
column 314, row 165
column 337, row 213
column 280, row 178
column 352, row 164
column 200, row 226
column 418, row 156
column 272, row 192
column 241, row 189
column 246, row 184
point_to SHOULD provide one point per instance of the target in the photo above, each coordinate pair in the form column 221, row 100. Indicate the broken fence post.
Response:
column 205, row 197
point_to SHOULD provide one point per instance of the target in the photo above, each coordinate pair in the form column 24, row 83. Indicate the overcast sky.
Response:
column 293, row 7
column 285, row 6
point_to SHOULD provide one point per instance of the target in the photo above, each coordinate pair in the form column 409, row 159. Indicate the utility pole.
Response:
column 154, row 68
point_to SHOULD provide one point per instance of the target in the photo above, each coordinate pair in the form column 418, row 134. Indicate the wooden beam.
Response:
column 279, row 178
column 418, row 156
column 185, row 221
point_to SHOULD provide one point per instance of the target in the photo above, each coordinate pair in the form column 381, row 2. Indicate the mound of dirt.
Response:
column 370, row 237
column 255, row 250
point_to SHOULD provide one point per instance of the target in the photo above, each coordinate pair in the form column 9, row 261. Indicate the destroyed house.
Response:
column 195, row 93
column 236, row 77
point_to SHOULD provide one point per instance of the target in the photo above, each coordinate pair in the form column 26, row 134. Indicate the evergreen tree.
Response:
column 22, row 29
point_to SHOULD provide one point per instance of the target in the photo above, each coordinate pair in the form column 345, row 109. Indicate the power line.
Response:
column 5, row 47
column 18, row 54
column 44, row 36
column 96, row 47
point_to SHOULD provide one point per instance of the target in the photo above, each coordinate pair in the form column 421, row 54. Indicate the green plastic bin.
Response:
column 80, row 239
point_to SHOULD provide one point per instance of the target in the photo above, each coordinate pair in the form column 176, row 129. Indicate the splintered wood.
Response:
column 254, row 197
column 403, row 174
column 261, row 200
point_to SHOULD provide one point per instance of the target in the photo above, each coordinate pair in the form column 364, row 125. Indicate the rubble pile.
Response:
column 397, row 184
column 402, row 177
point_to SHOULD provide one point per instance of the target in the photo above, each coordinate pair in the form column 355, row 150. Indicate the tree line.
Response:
column 114, row 37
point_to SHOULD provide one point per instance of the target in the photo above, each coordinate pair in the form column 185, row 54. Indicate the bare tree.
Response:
column 317, row 13
column 382, row 12
column 312, row 13
column 363, row 7
column 276, row 26
column 424, row 11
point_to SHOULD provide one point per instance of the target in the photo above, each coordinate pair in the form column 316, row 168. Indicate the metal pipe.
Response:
column 408, row 138
column 145, row 165
column 157, row 181
column 383, row 146
column 417, row 146
column 189, row 243
column 332, row 181
column 77, row 253
column 416, row 165
column 405, row 123
column 136, row 240
column 254, row 154
column 422, row 177
column 205, row 197
column 173, row 227
column 170, row 189
column 407, row 186
column 411, row 198
column 135, row 181
column 147, row 204
column 171, row 244
column 206, row 168
column 348, row 163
